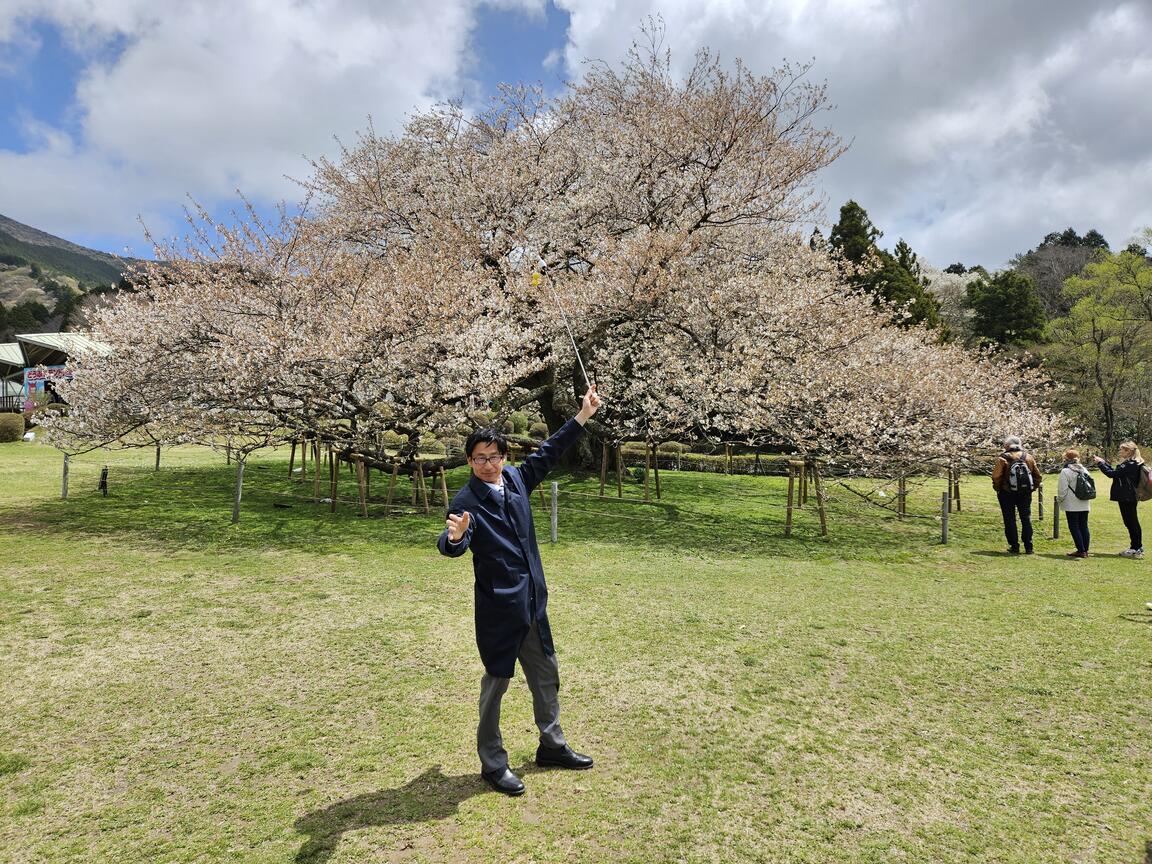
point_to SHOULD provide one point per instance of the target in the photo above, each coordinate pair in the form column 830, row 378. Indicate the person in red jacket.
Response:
column 1015, row 477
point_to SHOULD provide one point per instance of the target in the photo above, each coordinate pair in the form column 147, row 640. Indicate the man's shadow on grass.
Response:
column 428, row 798
column 1138, row 618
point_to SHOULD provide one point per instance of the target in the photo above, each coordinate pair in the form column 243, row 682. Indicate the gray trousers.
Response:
column 543, row 676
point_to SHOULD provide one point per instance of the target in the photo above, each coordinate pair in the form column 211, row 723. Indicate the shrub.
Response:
column 481, row 419
column 394, row 440
column 672, row 447
column 539, row 431
column 508, row 428
column 519, row 422
column 432, row 447
column 11, row 428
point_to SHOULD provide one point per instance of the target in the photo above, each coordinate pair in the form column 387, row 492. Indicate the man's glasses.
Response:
column 487, row 460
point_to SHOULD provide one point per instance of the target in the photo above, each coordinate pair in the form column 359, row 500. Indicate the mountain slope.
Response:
column 56, row 254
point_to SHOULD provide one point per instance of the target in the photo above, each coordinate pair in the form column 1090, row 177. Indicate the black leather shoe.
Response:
column 561, row 757
column 504, row 781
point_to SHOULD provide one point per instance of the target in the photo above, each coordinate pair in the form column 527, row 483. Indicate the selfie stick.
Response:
column 556, row 300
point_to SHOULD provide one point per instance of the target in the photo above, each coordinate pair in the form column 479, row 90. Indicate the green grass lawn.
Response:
column 302, row 686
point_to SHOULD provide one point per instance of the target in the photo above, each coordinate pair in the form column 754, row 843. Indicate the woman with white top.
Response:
column 1075, row 508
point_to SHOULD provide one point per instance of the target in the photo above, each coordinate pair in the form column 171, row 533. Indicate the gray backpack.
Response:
column 1019, row 477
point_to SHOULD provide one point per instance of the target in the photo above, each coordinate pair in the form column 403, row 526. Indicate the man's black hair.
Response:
column 486, row 436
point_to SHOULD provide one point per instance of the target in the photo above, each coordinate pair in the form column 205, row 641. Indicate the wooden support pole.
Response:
column 362, row 482
column 619, row 472
column 791, row 490
column 1055, row 517
column 391, row 488
column 239, row 489
column 727, row 458
column 555, row 508
column 656, row 468
column 444, row 486
column 818, row 481
column 291, row 458
column 102, row 486
column 157, row 468
column 647, row 471
column 423, row 488
column 304, row 458
column 64, row 479
column 316, row 462
column 334, row 474
column 956, row 489
column 803, row 496
column 945, row 509
column 603, row 466
column 901, row 496
column 1040, row 506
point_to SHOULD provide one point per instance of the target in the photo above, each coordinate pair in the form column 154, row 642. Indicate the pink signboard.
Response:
column 36, row 379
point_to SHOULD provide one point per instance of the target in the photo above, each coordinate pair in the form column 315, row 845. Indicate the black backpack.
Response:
column 1085, row 486
column 1019, row 477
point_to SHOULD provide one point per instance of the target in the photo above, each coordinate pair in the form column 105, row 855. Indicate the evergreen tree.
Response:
column 854, row 236
column 895, row 277
column 1006, row 308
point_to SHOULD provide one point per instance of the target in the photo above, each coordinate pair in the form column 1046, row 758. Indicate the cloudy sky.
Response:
column 975, row 127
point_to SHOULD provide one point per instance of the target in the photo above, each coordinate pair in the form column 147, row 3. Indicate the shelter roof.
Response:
column 11, row 355
column 54, row 349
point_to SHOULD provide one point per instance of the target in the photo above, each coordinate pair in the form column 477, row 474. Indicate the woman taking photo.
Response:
column 1125, row 480
column 1075, row 508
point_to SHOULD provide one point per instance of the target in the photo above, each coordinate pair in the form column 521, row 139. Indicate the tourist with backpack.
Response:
column 1075, row 492
column 1015, row 477
column 1130, row 484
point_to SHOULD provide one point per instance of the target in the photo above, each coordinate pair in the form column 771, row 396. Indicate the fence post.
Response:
column 1055, row 518
column 64, row 479
column 102, row 486
column 238, row 491
column 1040, row 502
column 603, row 466
column 555, row 508
column 945, row 507
column 820, row 498
column 791, row 488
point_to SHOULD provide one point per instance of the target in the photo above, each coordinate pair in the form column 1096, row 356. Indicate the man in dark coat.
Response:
column 492, row 516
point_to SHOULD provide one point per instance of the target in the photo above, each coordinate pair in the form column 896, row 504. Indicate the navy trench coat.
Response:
column 509, row 588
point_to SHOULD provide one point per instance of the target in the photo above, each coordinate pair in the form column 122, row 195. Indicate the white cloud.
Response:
column 976, row 128
column 206, row 97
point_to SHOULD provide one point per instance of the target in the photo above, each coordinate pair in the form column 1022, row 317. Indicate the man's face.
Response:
column 486, row 461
